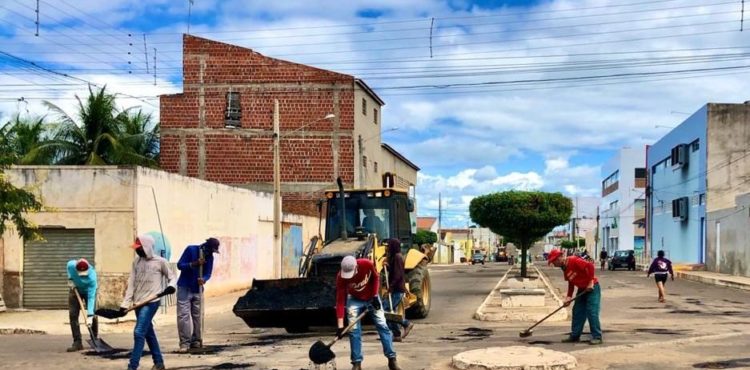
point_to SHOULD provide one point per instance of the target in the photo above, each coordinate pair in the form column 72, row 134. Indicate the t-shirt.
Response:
column 363, row 285
column 661, row 266
column 579, row 273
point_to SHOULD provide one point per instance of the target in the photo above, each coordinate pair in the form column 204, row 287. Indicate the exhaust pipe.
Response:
column 342, row 209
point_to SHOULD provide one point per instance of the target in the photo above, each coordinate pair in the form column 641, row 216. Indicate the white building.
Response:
column 622, row 208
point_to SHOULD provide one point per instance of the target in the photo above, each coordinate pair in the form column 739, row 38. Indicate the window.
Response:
column 375, row 116
column 364, row 161
column 233, row 113
column 364, row 106
column 375, row 166
column 640, row 173
column 695, row 146
column 611, row 180
column 613, row 205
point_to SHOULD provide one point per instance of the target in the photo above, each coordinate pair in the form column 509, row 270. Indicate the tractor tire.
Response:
column 420, row 286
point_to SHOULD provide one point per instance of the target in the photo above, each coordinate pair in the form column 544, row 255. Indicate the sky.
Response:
column 483, row 95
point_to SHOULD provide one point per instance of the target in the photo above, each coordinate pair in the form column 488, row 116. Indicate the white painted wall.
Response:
column 626, row 161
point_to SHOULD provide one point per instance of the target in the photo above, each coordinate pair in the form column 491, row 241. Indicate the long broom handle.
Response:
column 83, row 310
column 554, row 312
column 349, row 327
column 203, row 303
column 388, row 286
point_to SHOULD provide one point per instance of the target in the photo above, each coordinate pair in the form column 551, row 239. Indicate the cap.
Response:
column 136, row 244
column 348, row 267
column 82, row 267
column 553, row 255
column 213, row 243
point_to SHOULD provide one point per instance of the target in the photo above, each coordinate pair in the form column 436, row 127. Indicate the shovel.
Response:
column 116, row 314
column 527, row 333
column 320, row 353
column 98, row 344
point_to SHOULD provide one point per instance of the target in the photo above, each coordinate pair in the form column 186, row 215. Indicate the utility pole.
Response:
column 440, row 215
column 575, row 227
column 276, row 174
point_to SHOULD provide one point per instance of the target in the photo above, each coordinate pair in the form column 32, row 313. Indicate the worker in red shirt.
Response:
column 357, row 287
column 579, row 273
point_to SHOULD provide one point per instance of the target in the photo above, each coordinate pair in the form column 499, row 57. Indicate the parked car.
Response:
column 620, row 259
column 477, row 258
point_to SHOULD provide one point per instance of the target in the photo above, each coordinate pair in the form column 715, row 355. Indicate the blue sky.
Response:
column 516, row 94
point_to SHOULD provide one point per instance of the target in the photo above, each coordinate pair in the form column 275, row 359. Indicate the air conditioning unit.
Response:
column 680, row 209
column 679, row 157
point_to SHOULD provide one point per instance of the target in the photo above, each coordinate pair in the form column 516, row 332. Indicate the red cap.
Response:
column 553, row 255
column 82, row 267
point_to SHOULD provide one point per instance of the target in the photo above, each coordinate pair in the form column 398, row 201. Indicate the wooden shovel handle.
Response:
column 82, row 307
column 349, row 327
column 145, row 302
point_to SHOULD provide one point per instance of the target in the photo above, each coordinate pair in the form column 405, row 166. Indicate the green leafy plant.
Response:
column 521, row 216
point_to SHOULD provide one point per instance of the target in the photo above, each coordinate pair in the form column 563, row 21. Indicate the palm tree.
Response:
column 102, row 134
column 23, row 136
column 141, row 135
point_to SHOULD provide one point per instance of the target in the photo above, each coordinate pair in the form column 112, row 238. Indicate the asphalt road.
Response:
column 700, row 326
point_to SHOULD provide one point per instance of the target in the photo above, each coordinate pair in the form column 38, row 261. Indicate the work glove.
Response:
column 340, row 333
column 169, row 290
column 375, row 303
column 71, row 285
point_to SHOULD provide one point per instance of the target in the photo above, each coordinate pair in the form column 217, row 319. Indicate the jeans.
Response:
column 144, row 332
column 395, row 326
column 587, row 308
column 354, row 307
column 74, row 313
column 189, row 317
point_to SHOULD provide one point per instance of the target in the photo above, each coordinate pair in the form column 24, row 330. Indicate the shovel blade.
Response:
column 320, row 353
column 525, row 334
column 109, row 313
column 99, row 345
column 393, row 317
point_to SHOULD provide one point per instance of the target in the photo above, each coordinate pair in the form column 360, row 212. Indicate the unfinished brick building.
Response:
column 221, row 127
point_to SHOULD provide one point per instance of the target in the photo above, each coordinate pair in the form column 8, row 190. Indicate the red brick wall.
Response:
column 305, row 94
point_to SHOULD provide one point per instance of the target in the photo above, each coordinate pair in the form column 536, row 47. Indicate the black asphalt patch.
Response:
column 232, row 365
column 476, row 333
column 693, row 312
column 728, row 364
column 543, row 342
column 117, row 354
column 645, row 308
column 730, row 301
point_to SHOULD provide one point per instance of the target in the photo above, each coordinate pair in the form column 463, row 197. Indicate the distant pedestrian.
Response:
column 660, row 267
column 81, row 278
column 631, row 261
column 396, row 288
column 603, row 255
column 189, row 286
column 579, row 273
column 357, row 287
column 145, row 282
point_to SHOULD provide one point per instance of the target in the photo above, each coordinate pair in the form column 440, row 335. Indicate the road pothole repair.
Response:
column 728, row 364
column 232, row 365
column 661, row 331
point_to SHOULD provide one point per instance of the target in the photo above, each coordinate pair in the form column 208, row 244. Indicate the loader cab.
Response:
column 383, row 212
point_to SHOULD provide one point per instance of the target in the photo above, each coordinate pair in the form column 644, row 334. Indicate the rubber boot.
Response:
column 75, row 347
column 356, row 366
column 393, row 364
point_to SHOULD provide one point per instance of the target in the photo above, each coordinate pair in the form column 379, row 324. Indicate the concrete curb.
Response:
column 550, row 287
column 711, row 280
column 479, row 314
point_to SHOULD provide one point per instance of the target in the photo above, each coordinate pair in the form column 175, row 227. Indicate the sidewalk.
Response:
column 713, row 278
column 55, row 322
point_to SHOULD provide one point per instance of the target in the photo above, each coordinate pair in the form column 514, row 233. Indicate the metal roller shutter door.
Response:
column 45, row 278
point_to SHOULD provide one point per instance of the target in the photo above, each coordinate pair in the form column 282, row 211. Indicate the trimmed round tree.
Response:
column 521, row 216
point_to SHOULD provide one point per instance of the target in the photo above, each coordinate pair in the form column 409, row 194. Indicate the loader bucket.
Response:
column 289, row 303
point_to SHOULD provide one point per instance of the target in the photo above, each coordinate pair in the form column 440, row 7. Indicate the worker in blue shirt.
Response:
column 195, row 258
column 81, row 277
